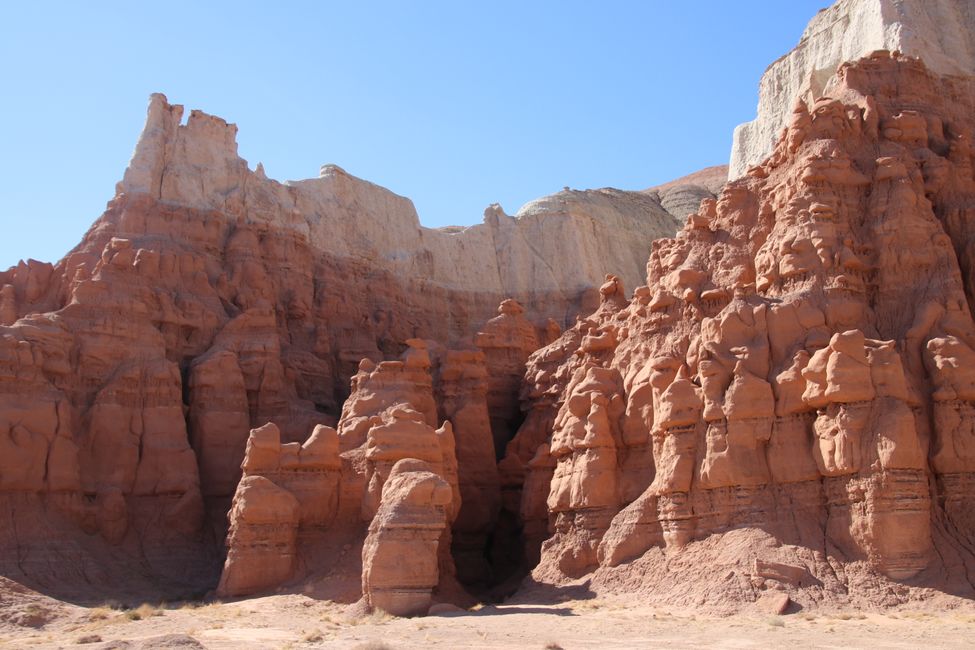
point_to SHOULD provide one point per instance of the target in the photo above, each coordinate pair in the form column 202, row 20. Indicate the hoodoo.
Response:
column 716, row 398
column 790, row 389
column 209, row 300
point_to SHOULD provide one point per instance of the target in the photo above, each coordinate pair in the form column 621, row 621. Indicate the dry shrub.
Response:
column 315, row 636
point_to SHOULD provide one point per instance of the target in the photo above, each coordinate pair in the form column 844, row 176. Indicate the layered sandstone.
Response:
column 407, row 482
column 209, row 300
column 302, row 374
column 682, row 196
column 782, row 408
column 196, row 166
column 939, row 32
column 284, row 488
column 399, row 557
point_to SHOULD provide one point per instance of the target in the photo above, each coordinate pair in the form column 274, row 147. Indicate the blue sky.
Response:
column 454, row 104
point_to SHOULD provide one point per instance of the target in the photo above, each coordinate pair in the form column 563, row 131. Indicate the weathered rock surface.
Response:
column 397, row 480
column 196, row 166
column 285, row 487
column 507, row 340
column 784, row 406
column 681, row 197
column 262, row 538
column 939, row 32
column 209, row 300
column 400, row 555
column 782, row 415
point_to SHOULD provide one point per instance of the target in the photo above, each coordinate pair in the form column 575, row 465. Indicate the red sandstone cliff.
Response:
column 208, row 300
column 786, row 406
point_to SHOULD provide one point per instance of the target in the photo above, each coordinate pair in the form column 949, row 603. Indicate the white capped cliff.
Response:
column 937, row 31
column 563, row 243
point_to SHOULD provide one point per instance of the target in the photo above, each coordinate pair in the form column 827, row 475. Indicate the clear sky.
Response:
column 456, row 105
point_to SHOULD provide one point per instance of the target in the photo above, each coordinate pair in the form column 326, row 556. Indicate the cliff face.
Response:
column 546, row 249
column 208, row 300
column 937, row 31
column 785, row 407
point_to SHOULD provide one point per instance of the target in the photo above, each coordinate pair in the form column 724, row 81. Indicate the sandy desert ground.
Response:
column 295, row 621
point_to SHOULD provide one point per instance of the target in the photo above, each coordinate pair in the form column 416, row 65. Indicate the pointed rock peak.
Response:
column 494, row 213
column 510, row 307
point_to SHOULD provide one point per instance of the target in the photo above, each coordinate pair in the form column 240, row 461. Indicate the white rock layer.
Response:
column 937, row 31
column 564, row 243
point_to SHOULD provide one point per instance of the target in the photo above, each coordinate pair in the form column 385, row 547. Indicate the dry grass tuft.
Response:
column 146, row 610
column 143, row 611
column 100, row 613
column 375, row 617
column 315, row 636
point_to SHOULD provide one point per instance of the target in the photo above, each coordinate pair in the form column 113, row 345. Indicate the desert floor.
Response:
column 294, row 621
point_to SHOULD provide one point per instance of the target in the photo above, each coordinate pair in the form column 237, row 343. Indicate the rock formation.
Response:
column 196, row 166
column 794, row 374
column 393, row 480
column 399, row 558
column 507, row 340
column 304, row 376
column 262, row 538
column 285, row 487
column 682, row 196
column 939, row 32
column 209, row 300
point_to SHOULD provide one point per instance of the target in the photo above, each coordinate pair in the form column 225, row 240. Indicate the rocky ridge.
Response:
column 195, row 165
column 681, row 197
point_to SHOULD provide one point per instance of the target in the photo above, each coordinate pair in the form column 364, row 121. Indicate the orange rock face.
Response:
column 507, row 340
column 285, row 488
column 132, row 371
column 262, row 538
column 387, row 482
column 798, row 370
column 783, row 414
column 399, row 558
